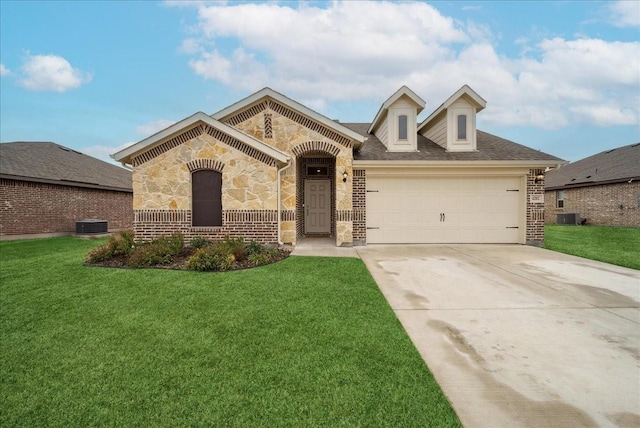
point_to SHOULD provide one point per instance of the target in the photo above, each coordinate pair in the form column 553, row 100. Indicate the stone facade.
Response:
column 615, row 204
column 38, row 208
column 162, row 178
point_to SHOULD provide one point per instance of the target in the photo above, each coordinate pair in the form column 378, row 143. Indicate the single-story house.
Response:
column 271, row 169
column 601, row 189
column 46, row 188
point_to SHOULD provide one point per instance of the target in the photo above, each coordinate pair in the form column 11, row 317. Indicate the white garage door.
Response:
column 444, row 210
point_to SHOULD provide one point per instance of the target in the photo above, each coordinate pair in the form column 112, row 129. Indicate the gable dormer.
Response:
column 453, row 124
column 395, row 123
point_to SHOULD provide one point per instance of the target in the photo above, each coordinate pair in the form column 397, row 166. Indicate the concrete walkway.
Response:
column 322, row 247
column 519, row 336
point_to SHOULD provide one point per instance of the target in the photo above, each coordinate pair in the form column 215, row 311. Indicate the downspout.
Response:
column 280, row 201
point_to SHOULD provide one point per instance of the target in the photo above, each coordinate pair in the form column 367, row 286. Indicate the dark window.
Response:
column 402, row 127
column 206, row 192
column 462, row 127
column 560, row 199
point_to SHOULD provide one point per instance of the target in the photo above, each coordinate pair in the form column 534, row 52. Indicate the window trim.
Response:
column 461, row 128
column 559, row 198
column 400, row 127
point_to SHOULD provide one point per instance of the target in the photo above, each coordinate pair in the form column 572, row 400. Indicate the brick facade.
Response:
column 35, row 208
column 535, row 209
column 359, row 207
column 607, row 204
column 257, row 225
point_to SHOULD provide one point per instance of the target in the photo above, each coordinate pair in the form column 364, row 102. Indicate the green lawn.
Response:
column 616, row 245
column 303, row 342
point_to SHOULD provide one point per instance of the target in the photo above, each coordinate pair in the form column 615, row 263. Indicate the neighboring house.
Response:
column 603, row 188
column 270, row 169
column 45, row 188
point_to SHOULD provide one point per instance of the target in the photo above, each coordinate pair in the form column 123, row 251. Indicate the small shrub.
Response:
column 211, row 258
column 99, row 254
column 120, row 243
column 157, row 252
column 235, row 247
column 267, row 255
column 174, row 243
column 253, row 248
column 199, row 242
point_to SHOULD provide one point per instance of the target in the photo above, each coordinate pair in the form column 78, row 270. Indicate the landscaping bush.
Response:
column 267, row 255
column 253, row 248
column 119, row 244
column 211, row 258
column 169, row 252
column 235, row 247
column 199, row 242
column 157, row 252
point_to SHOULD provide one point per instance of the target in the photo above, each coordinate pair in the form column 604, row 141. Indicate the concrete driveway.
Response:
column 518, row 335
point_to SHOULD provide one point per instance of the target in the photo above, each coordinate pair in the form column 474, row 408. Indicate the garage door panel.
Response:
column 443, row 209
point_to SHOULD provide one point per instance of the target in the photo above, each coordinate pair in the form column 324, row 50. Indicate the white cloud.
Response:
column 51, row 73
column 625, row 13
column 4, row 71
column 103, row 152
column 361, row 50
column 150, row 128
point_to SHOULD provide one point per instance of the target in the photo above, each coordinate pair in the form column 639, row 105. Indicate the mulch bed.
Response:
column 178, row 262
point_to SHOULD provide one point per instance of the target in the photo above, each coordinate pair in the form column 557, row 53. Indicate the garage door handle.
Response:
column 442, row 217
column 372, row 191
column 372, row 228
column 512, row 227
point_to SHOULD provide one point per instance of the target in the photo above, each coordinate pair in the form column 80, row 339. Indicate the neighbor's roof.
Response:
column 52, row 163
column 490, row 148
column 611, row 166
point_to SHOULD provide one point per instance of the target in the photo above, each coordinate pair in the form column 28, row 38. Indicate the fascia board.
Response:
column 404, row 90
column 453, row 164
column 464, row 90
column 125, row 155
column 294, row 105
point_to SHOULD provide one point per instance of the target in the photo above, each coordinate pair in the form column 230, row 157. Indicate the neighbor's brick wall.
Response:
column 28, row 208
column 359, row 207
column 535, row 209
column 607, row 204
column 258, row 225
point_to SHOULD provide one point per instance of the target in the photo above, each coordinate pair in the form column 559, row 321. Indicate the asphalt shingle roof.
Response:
column 50, row 162
column 490, row 148
column 611, row 166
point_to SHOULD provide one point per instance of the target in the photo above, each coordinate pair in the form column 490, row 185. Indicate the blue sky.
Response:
column 561, row 77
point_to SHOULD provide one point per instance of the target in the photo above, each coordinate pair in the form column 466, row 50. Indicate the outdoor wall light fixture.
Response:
column 539, row 178
column 344, row 176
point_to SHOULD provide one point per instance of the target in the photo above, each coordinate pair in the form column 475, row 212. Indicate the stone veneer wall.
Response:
column 535, row 209
column 296, row 135
column 359, row 207
column 162, row 177
column 33, row 208
column 615, row 204
column 162, row 190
